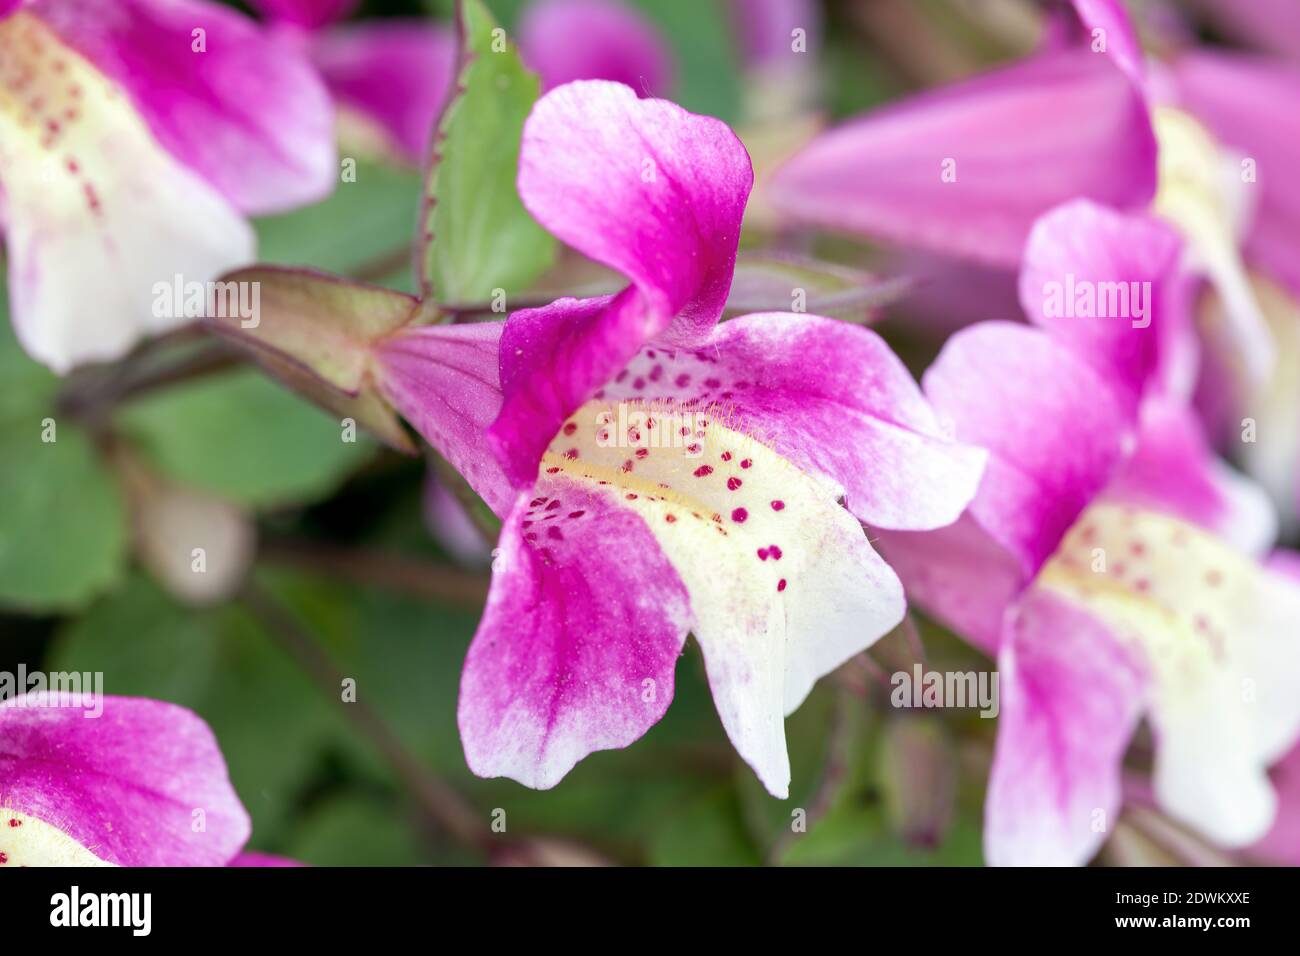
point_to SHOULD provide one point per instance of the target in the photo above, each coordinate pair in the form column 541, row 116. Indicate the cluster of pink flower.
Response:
column 1050, row 491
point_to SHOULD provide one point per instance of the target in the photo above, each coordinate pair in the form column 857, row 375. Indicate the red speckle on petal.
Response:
column 670, row 518
column 571, row 454
column 762, row 554
column 642, row 452
column 726, row 456
column 15, row 822
column 627, row 466
column 553, row 505
column 733, row 484
column 739, row 515
column 703, row 470
column 630, row 497
column 576, row 514
column 780, row 585
column 775, row 552
column 3, row 859
column 683, row 380
column 746, row 463
column 778, row 505
column 570, row 428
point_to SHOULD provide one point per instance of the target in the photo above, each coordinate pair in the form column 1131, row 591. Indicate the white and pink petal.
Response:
column 244, row 112
column 94, row 209
column 127, row 787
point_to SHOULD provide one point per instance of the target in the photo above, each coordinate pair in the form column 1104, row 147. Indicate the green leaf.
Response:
column 360, row 225
column 356, row 829
column 243, row 438
column 62, row 522
column 476, row 235
column 706, row 832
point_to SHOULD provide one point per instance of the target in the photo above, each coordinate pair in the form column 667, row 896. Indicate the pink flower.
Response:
column 1109, row 561
column 391, row 77
column 659, row 474
column 965, row 170
column 566, row 40
column 134, row 137
column 141, row 784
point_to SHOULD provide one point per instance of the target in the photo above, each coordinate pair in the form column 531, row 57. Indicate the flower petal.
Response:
column 1108, row 21
column 579, row 640
column 1055, row 429
column 1173, row 469
column 395, row 72
column 1095, row 279
column 246, row 113
column 645, row 188
column 970, row 167
column 123, row 788
column 766, row 32
column 443, row 380
column 304, row 13
column 959, row 575
column 1218, row 634
column 833, row 399
column 566, row 40
column 94, row 210
column 1070, row 698
column 1236, row 97
column 783, row 585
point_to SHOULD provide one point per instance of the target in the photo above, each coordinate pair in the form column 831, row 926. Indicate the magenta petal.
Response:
column 1281, row 846
column 971, row 166
column 396, row 72
column 443, row 380
column 1268, row 24
column 1121, row 40
column 127, row 785
column 959, row 575
column 247, row 113
column 579, row 640
column 552, row 360
column 645, row 188
column 1238, row 98
column 304, row 13
column 1054, row 427
column 1070, row 701
column 765, row 29
column 1123, row 264
column 1174, row 470
column 830, row 397
column 566, row 40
